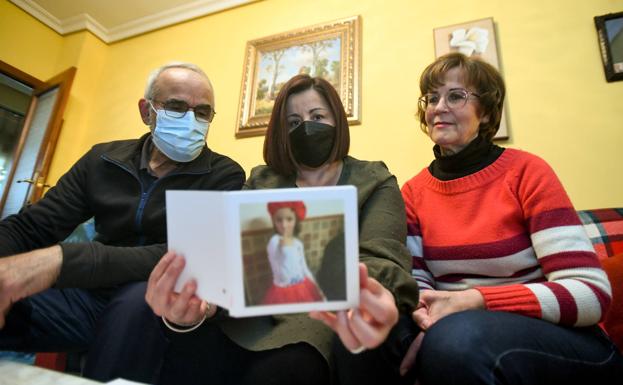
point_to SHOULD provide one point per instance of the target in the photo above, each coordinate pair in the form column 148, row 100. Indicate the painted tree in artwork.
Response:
column 262, row 89
column 274, row 57
column 321, row 68
column 316, row 48
column 336, row 70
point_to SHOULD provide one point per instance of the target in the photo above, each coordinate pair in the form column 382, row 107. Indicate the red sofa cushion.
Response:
column 54, row 361
column 614, row 319
column 605, row 229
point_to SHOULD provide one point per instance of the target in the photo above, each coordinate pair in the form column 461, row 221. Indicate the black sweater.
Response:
column 477, row 155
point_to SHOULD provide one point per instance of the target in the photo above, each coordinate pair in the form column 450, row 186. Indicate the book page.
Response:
column 196, row 227
column 281, row 250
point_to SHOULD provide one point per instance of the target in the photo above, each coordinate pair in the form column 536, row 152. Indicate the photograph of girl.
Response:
column 293, row 282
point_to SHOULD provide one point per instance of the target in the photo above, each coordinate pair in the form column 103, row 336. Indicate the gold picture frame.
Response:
column 473, row 38
column 331, row 50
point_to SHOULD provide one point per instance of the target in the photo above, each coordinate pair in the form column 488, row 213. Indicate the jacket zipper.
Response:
column 145, row 195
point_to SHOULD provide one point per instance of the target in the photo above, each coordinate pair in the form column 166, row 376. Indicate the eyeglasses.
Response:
column 204, row 113
column 455, row 99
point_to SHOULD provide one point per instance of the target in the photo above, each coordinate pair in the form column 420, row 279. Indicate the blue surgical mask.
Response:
column 180, row 139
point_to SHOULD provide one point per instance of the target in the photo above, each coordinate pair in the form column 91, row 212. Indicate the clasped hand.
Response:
column 433, row 306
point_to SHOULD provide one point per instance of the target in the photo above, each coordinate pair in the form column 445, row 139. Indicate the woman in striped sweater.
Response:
column 511, row 288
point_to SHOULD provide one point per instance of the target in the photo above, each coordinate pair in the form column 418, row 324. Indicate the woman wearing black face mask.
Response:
column 307, row 145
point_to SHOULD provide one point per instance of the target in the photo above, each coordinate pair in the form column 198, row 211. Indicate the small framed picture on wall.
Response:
column 472, row 38
column 610, row 35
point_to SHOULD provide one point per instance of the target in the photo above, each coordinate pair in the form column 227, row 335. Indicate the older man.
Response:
column 53, row 294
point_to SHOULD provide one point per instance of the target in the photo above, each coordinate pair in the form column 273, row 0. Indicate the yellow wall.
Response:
column 559, row 104
column 38, row 50
column 26, row 43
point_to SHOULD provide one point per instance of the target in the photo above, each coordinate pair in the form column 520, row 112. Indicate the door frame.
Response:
column 63, row 81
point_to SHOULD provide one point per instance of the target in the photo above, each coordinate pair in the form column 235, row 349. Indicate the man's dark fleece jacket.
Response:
column 108, row 184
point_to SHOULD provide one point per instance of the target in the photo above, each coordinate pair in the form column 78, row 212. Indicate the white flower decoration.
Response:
column 467, row 42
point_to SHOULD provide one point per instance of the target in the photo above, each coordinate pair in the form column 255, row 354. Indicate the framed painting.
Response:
column 330, row 50
column 610, row 35
column 473, row 38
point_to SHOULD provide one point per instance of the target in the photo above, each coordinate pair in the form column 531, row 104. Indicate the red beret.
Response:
column 297, row 206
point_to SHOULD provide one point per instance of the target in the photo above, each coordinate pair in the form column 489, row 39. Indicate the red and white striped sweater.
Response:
column 510, row 231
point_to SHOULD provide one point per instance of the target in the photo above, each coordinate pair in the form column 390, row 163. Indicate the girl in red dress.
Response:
column 293, row 282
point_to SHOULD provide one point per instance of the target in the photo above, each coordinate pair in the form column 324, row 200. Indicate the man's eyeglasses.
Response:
column 454, row 99
column 204, row 113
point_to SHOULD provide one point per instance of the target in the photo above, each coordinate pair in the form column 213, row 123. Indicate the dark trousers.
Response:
column 376, row 366
column 54, row 320
column 483, row 347
column 116, row 326
column 208, row 356
column 130, row 341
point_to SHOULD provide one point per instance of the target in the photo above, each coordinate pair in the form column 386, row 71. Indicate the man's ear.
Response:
column 144, row 109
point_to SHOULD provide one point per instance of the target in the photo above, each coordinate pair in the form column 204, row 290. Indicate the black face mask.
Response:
column 312, row 143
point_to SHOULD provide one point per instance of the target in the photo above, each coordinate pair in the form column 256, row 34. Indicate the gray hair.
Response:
column 150, row 88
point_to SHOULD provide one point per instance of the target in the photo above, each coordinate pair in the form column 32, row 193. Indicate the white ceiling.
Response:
column 113, row 20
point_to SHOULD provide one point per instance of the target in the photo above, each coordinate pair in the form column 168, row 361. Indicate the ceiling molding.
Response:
column 40, row 14
column 84, row 21
column 149, row 22
column 172, row 16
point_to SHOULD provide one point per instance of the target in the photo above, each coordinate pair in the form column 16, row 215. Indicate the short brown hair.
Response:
column 479, row 75
column 277, row 151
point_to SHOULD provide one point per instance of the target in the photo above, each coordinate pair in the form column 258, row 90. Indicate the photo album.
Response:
column 261, row 252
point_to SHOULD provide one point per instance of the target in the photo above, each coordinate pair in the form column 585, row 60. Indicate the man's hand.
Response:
column 366, row 326
column 23, row 275
column 183, row 308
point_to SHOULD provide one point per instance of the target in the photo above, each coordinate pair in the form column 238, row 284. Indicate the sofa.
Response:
column 603, row 226
column 605, row 229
